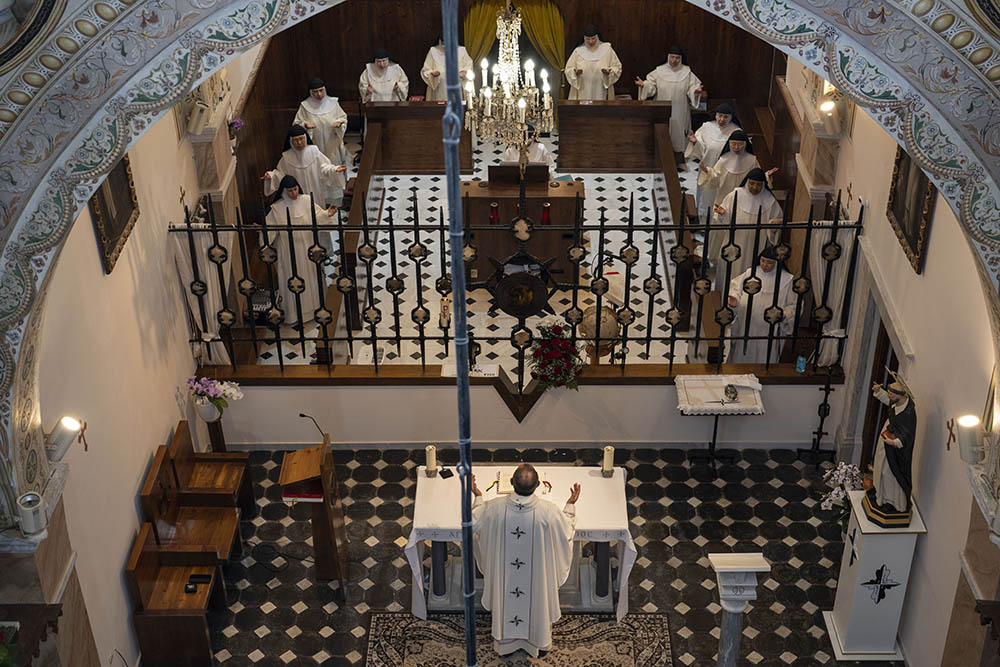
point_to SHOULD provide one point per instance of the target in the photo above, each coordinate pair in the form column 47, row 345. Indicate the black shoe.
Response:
column 542, row 654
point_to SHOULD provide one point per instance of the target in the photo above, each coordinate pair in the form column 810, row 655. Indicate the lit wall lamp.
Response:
column 970, row 439
column 66, row 431
column 828, row 111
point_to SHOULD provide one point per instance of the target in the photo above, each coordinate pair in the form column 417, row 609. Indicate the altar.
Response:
column 601, row 517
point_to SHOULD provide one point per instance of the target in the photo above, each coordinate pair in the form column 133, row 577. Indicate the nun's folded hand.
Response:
column 720, row 210
column 771, row 171
column 341, row 167
column 310, row 126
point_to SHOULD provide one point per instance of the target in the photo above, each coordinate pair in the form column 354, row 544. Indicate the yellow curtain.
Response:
column 481, row 28
column 543, row 23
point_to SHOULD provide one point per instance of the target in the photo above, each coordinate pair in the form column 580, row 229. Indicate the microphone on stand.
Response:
column 305, row 416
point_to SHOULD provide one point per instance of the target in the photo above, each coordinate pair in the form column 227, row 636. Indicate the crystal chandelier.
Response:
column 513, row 110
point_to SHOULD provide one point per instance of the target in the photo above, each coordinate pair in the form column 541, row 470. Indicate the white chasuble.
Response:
column 434, row 62
column 390, row 85
column 324, row 114
column 314, row 172
column 592, row 83
column 676, row 86
column 298, row 212
column 525, row 550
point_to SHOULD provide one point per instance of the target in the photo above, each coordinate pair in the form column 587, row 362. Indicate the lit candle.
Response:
column 529, row 72
column 546, row 89
column 609, row 459
column 487, row 95
column 432, row 458
column 486, row 72
column 521, row 104
column 469, row 88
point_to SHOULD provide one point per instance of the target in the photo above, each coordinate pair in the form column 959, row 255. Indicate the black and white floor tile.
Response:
column 680, row 511
column 610, row 192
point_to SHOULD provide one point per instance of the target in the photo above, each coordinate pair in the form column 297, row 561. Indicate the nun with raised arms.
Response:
column 311, row 168
column 325, row 121
column 295, row 206
column 383, row 80
column 755, row 351
column 674, row 82
column 592, row 68
column 751, row 199
column 433, row 71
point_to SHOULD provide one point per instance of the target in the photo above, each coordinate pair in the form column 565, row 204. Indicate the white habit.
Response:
column 389, row 86
column 747, row 206
column 676, row 86
column 593, row 84
column 887, row 489
column 314, row 172
column 525, row 550
column 710, row 139
column 300, row 214
column 537, row 154
column 327, row 136
column 727, row 173
column 435, row 62
column 756, row 350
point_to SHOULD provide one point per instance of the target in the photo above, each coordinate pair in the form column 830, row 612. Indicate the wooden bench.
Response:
column 211, row 479
column 170, row 623
column 175, row 523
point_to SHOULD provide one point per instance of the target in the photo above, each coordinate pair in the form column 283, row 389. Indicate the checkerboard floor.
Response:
column 611, row 192
column 679, row 512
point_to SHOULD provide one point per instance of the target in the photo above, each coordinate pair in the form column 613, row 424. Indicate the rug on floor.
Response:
column 578, row 640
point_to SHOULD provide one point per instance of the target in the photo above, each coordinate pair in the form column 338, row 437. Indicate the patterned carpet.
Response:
column 578, row 640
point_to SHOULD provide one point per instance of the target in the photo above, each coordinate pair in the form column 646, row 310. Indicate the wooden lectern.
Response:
column 309, row 476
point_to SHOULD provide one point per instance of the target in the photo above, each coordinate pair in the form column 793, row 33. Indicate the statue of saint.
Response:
column 892, row 478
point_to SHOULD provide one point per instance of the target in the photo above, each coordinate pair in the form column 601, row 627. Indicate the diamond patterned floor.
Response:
column 679, row 512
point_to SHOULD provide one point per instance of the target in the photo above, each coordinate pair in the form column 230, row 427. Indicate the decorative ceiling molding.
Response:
column 64, row 129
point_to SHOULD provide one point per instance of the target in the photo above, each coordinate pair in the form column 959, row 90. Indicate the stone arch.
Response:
column 71, row 110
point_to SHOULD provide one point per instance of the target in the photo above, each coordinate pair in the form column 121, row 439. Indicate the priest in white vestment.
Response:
column 295, row 207
column 314, row 171
column 537, row 154
column 706, row 145
column 525, row 550
column 383, row 81
column 592, row 68
column 433, row 71
column 755, row 351
column 674, row 82
column 753, row 197
column 324, row 120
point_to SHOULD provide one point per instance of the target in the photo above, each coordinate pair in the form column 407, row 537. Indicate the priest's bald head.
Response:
column 525, row 479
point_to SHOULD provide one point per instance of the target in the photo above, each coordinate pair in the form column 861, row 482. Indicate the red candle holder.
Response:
column 494, row 213
column 546, row 214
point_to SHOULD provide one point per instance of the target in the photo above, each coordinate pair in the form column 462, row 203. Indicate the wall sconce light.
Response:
column 970, row 439
column 66, row 431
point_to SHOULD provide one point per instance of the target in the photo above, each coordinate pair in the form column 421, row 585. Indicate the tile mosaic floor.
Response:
column 608, row 191
column 767, row 501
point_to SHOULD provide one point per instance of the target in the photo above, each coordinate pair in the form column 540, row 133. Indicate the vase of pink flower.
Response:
column 211, row 397
column 845, row 477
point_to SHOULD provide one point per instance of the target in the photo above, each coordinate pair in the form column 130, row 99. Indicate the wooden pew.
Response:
column 171, row 624
column 212, row 479
column 174, row 523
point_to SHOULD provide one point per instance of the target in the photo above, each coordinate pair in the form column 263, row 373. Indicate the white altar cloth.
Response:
column 601, row 516
column 705, row 395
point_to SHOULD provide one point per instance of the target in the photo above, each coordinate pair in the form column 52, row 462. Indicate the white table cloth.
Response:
column 705, row 395
column 601, row 516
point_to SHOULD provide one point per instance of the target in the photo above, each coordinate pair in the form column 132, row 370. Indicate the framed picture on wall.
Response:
column 114, row 209
column 911, row 207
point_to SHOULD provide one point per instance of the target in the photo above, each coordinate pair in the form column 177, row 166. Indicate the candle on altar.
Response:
column 607, row 465
column 431, row 458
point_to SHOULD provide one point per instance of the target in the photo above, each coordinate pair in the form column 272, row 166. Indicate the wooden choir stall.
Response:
column 309, row 476
column 613, row 136
column 411, row 137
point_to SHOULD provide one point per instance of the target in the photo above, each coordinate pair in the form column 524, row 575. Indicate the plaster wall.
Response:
column 943, row 314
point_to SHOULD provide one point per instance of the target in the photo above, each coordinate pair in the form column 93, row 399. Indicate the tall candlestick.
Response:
column 431, row 459
column 607, row 466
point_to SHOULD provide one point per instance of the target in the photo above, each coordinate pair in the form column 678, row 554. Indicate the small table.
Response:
column 601, row 517
column 705, row 395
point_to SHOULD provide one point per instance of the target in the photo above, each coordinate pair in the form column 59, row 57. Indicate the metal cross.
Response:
column 517, row 592
column 854, row 548
column 517, row 563
column 517, row 620
column 517, row 532
column 880, row 583
column 951, row 433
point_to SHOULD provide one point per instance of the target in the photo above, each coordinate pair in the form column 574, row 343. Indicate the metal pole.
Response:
column 452, row 129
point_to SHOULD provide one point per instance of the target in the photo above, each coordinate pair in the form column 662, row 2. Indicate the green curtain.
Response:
column 481, row 29
column 543, row 23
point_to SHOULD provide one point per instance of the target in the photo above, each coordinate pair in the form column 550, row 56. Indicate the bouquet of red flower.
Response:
column 555, row 361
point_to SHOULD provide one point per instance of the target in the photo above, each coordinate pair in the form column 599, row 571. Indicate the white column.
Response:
column 737, row 577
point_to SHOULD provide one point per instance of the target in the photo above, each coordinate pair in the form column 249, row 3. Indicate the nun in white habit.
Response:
column 751, row 199
column 674, row 82
column 706, row 144
column 433, row 71
column 592, row 68
column 383, row 80
column 310, row 167
column 324, row 120
column 295, row 207
column 755, row 351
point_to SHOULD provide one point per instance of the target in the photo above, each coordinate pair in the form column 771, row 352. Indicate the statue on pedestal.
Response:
column 888, row 502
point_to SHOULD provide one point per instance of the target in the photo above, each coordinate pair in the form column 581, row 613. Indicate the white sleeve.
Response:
column 300, row 118
column 272, row 184
column 404, row 85
column 649, row 89
column 693, row 84
column 697, row 149
column 615, row 65
column 425, row 72
column 570, row 71
column 363, row 86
